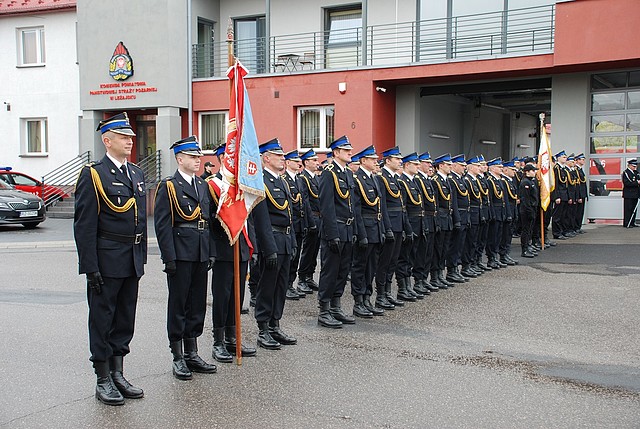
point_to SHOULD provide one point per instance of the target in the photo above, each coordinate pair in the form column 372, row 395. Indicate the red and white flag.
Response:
column 242, row 184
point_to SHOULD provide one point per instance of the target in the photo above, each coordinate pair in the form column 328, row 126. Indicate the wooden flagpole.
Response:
column 236, row 246
column 542, row 130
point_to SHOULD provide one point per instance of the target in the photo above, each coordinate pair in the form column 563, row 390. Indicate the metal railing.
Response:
column 151, row 168
column 502, row 33
column 60, row 183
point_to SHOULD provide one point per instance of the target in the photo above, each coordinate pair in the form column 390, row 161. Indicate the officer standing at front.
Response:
column 630, row 193
column 460, row 204
column 110, row 230
column 183, row 210
column 337, row 234
column 276, row 242
column 583, row 192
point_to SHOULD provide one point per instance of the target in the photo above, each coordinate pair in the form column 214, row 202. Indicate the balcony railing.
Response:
column 486, row 35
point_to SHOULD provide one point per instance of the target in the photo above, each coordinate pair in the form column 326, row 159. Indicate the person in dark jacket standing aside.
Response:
column 183, row 212
column 630, row 192
column 110, row 229
column 529, row 196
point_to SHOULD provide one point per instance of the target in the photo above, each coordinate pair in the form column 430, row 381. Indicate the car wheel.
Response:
column 30, row 225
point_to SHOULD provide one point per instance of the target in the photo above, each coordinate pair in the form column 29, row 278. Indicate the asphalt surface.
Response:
column 552, row 342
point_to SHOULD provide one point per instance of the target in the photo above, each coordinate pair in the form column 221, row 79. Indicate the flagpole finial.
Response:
column 230, row 31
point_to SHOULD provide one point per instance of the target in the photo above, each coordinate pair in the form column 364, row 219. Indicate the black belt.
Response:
column 442, row 209
column 282, row 229
column 394, row 209
column 419, row 213
column 430, row 213
column 474, row 206
column 200, row 225
column 121, row 238
column 347, row 221
column 377, row 216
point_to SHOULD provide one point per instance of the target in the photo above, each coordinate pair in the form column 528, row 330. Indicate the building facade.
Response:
column 39, row 104
column 456, row 76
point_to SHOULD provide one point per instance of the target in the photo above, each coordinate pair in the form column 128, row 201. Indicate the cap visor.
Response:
column 123, row 131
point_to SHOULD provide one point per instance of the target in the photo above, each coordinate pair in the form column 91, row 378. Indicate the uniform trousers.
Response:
column 363, row 269
column 441, row 247
column 334, row 270
column 424, row 257
column 295, row 259
column 224, row 301
column 629, row 206
column 389, row 254
column 187, row 304
column 272, row 288
column 112, row 317
column 507, row 236
column 483, row 231
column 559, row 216
column 409, row 255
column 470, row 244
column 309, row 254
column 527, row 220
column 494, row 235
column 579, row 215
column 454, row 255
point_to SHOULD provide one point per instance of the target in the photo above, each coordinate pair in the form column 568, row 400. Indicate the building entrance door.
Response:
column 146, row 136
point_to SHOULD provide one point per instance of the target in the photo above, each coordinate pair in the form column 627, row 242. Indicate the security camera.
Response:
column 381, row 89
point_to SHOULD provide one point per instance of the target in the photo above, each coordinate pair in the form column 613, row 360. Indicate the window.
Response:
column 205, row 49
column 343, row 37
column 213, row 129
column 250, row 43
column 315, row 127
column 31, row 46
column 35, row 136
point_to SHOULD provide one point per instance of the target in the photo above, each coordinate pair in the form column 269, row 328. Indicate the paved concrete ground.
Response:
column 553, row 342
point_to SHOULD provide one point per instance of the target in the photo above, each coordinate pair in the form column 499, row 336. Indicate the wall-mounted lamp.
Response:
column 488, row 142
column 524, row 146
column 6, row 103
column 439, row 136
column 381, row 89
column 342, row 87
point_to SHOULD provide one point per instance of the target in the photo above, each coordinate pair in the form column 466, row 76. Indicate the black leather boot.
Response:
column 180, row 369
column 106, row 390
column 411, row 289
column 509, row 258
column 420, row 287
column 526, row 253
column 230, row 343
column 325, row 318
column 366, row 301
column 336, row 311
column 195, row 362
column 311, row 282
column 123, row 385
column 506, row 261
column 467, row 271
column 381, row 298
column 359, row 309
column 265, row 340
column 453, row 276
column 220, row 352
column 279, row 335
column 435, row 281
column 403, row 293
column 390, row 298
column 443, row 279
column 303, row 286
column 292, row 294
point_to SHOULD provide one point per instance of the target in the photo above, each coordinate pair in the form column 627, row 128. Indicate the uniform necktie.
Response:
column 193, row 183
column 123, row 168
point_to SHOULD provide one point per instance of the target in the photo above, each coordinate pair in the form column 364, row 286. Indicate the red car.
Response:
column 28, row 184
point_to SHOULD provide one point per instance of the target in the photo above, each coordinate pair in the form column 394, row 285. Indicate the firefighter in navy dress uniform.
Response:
column 310, row 188
column 183, row 212
column 444, row 220
column 276, row 242
column 630, row 192
column 370, row 235
column 337, row 234
column 498, row 213
column 110, row 230
column 529, row 195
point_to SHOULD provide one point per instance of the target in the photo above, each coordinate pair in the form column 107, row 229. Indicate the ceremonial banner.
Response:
column 545, row 172
column 241, row 169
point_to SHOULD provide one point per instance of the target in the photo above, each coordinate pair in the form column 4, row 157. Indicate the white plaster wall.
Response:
column 50, row 91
